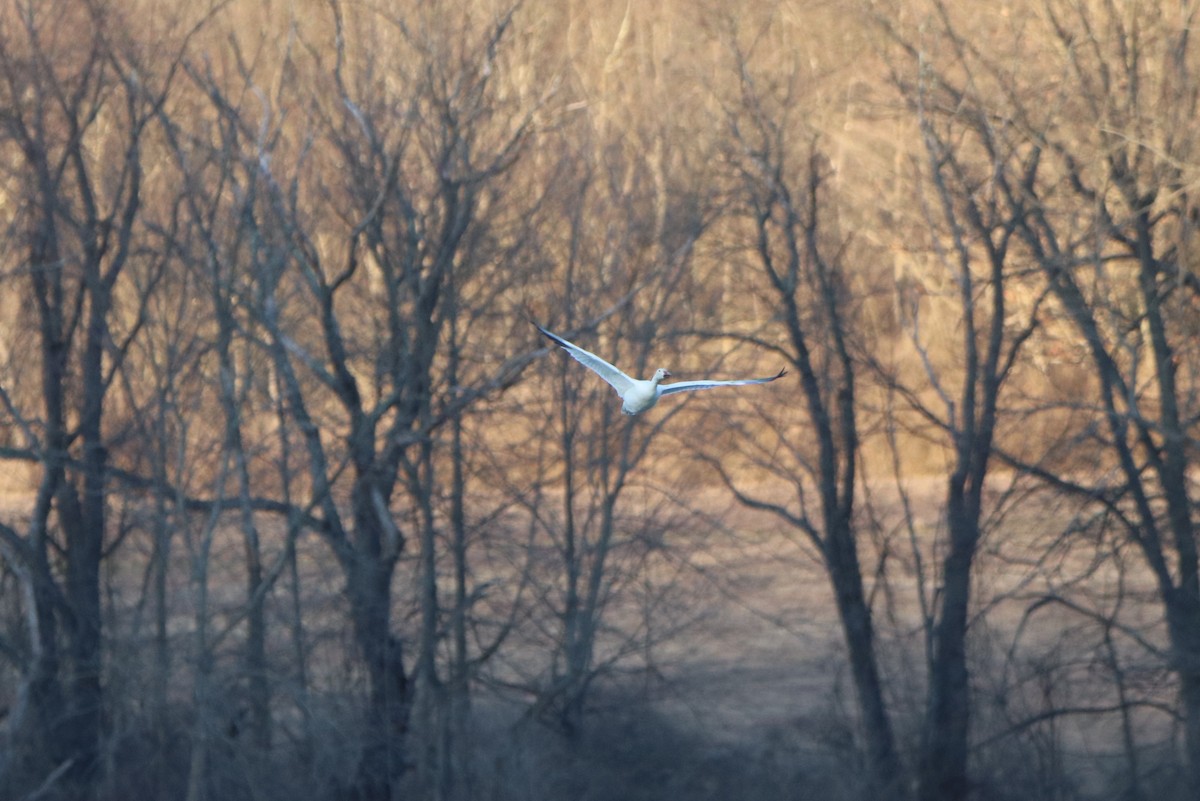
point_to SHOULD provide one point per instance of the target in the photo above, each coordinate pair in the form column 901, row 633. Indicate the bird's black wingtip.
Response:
column 533, row 320
column 557, row 340
column 780, row 374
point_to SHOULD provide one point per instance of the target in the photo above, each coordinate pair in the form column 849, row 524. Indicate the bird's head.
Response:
column 661, row 373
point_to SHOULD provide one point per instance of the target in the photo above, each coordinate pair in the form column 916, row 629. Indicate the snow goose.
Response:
column 638, row 396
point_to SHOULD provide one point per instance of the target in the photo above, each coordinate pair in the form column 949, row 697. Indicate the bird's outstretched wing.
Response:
column 619, row 381
column 692, row 386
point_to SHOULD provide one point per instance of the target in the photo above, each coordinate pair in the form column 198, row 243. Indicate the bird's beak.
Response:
column 667, row 373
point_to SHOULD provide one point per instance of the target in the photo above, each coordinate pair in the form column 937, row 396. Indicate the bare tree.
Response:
column 1091, row 181
column 588, row 463
column 972, row 220
column 214, row 246
column 76, row 114
column 780, row 193
column 1129, row 289
column 376, row 241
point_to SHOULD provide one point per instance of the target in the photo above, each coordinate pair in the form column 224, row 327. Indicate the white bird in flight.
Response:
column 640, row 395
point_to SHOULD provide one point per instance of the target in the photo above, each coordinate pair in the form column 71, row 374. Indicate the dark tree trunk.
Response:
column 1183, row 625
column 83, row 519
column 258, row 683
column 46, row 702
column 383, row 759
column 846, row 576
column 942, row 770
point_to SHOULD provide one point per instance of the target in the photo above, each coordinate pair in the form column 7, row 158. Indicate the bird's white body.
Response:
column 642, row 395
column 639, row 395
